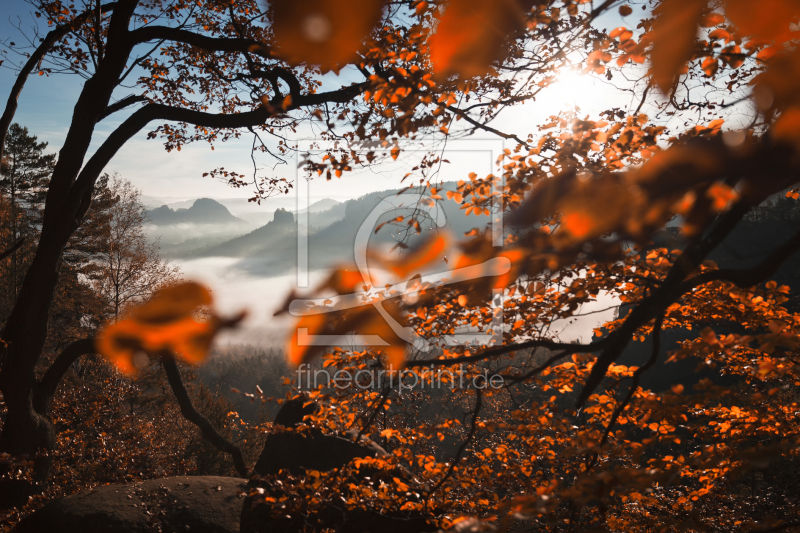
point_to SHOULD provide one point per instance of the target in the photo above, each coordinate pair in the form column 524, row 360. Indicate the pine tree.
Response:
column 24, row 177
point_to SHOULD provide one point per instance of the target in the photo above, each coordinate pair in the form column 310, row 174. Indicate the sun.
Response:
column 589, row 93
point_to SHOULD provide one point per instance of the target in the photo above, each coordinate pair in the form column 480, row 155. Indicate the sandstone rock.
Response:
column 208, row 504
column 293, row 452
column 292, row 412
column 258, row 520
column 312, row 450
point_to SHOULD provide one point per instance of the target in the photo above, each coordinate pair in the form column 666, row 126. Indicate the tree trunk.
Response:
column 14, row 225
column 26, row 431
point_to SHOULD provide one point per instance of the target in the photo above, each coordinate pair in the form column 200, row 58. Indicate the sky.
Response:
column 46, row 105
column 178, row 175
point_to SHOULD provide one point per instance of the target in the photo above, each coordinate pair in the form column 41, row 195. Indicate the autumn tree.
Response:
column 77, row 309
column 234, row 66
column 128, row 269
column 585, row 196
column 586, row 200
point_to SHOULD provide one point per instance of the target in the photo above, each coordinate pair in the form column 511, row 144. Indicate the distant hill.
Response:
column 322, row 205
column 272, row 249
column 151, row 202
column 281, row 227
column 321, row 213
column 242, row 206
column 325, row 212
column 202, row 211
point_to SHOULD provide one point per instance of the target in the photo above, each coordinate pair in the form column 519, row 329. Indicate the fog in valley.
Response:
column 247, row 254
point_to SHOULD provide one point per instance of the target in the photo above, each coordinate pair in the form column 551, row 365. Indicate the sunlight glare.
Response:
column 575, row 89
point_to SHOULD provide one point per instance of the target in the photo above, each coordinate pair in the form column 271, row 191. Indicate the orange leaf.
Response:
column 471, row 34
column 424, row 254
column 396, row 355
column 344, row 280
column 323, row 32
column 172, row 303
column 616, row 32
column 673, row 39
column 711, row 19
column 298, row 351
column 166, row 322
column 515, row 258
column 767, row 53
column 720, row 34
column 119, row 344
column 787, row 127
column 710, row 66
column 766, row 19
column 578, row 224
column 721, row 195
column 765, row 368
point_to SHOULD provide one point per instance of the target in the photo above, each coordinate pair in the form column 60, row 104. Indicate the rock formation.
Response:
column 208, row 504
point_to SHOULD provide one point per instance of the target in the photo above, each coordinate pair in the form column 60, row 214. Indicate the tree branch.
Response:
column 82, row 188
column 52, row 377
column 212, row 44
column 121, row 104
column 13, row 249
column 506, row 348
column 192, row 415
column 52, row 37
column 141, row 117
column 635, row 380
column 472, row 427
column 655, row 304
column 290, row 79
column 482, row 126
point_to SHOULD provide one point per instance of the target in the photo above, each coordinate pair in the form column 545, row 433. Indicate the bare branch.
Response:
column 52, row 377
column 13, row 249
column 52, row 37
column 482, row 126
column 192, row 415
column 121, row 104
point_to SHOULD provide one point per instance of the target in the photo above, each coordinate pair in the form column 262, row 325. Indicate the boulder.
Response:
column 208, row 504
column 333, row 518
column 311, row 449
column 292, row 412
column 293, row 452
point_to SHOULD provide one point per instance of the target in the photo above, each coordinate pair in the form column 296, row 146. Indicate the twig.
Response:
column 13, row 249
column 473, row 425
